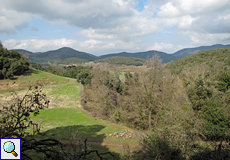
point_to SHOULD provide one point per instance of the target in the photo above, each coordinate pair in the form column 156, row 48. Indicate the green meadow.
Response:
column 65, row 116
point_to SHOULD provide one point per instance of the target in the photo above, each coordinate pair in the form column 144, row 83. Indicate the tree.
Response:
column 209, row 107
column 151, row 83
column 15, row 117
column 84, row 76
column 13, row 62
column 4, row 72
column 153, row 62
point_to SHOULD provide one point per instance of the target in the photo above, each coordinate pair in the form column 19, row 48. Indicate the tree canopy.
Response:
column 11, row 63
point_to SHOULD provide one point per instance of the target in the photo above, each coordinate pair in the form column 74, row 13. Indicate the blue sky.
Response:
column 110, row 26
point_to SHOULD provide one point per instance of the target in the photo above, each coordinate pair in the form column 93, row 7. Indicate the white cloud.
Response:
column 115, row 25
column 208, row 39
column 11, row 20
column 168, row 10
column 83, row 14
column 36, row 45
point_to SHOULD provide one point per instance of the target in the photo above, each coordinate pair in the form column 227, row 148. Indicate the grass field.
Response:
column 65, row 116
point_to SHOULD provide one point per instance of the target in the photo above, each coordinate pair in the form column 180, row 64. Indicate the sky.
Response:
column 111, row 26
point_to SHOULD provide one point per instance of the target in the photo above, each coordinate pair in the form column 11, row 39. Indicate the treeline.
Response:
column 81, row 73
column 177, row 107
column 11, row 63
column 73, row 60
column 123, row 60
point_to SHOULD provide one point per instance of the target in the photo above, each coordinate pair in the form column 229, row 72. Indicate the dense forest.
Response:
column 11, row 63
column 181, row 103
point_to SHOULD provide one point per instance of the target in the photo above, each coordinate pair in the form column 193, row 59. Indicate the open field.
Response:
column 65, row 116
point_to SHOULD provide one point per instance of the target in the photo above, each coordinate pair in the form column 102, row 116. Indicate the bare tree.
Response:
column 15, row 116
column 154, row 62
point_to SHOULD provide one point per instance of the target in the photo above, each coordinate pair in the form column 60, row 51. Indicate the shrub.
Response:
column 167, row 143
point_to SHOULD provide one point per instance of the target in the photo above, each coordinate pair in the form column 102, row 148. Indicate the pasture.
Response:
column 65, row 119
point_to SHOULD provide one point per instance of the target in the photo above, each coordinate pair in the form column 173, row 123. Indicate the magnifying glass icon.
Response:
column 9, row 147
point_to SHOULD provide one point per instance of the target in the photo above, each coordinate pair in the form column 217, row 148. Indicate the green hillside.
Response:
column 59, row 54
column 188, row 51
column 123, row 60
column 209, row 57
column 143, row 55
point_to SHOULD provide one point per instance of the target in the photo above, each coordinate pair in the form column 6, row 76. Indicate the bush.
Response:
column 167, row 143
column 216, row 120
column 224, row 83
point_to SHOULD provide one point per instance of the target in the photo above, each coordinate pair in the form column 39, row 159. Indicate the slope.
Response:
column 65, row 117
column 63, row 53
column 144, row 55
column 188, row 51
column 208, row 57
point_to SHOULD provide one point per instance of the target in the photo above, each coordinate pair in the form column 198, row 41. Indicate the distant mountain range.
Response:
column 188, row 51
column 67, row 52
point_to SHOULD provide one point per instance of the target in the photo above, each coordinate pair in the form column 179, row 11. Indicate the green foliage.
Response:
column 84, row 76
column 73, row 60
column 167, row 143
column 224, row 83
column 12, row 63
column 123, row 60
column 199, row 92
column 112, row 81
column 205, row 102
column 208, row 57
column 216, row 120
column 81, row 73
column 36, row 66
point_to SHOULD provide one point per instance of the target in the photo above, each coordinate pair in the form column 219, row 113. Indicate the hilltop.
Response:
column 188, row 51
column 209, row 57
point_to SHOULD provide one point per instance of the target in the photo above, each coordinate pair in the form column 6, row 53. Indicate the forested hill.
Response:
column 12, row 63
column 144, row 55
column 209, row 57
column 66, row 52
column 60, row 54
column 23, row 51
column 188, row 51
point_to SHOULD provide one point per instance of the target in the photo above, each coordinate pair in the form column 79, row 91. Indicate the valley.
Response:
column 132, row 112
column 65, row 118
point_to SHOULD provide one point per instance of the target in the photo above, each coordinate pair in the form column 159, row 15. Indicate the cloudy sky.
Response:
column 109, row 26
